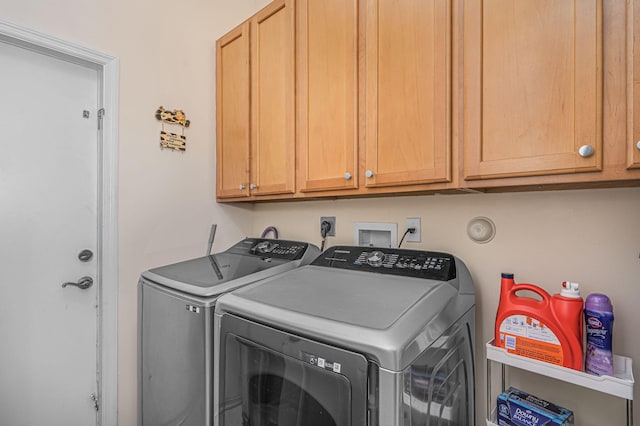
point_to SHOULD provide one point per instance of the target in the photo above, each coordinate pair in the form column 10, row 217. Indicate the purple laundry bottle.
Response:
column 598, row 315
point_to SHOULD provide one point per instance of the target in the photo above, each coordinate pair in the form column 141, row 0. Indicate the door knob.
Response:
column 253, row 186
column 369, row 174
column 83, row 283
column 347, row 176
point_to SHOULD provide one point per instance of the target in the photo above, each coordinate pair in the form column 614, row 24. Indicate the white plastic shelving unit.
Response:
column 620, row 384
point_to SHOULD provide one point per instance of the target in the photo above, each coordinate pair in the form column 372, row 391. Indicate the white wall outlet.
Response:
column 414, row 222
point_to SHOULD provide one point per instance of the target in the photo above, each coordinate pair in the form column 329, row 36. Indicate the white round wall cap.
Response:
column 481, row 230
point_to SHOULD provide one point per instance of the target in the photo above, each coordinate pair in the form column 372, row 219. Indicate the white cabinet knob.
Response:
column 585, row 151
column 242, row 187
column 638, row 145
column 253, row 186
column 347, row 176
column 368, row 174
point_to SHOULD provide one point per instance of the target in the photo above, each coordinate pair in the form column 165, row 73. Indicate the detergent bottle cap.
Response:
column 598, row 302
column 570, row 289
column 507, row 275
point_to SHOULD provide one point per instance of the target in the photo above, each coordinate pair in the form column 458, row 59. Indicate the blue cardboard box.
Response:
column 518, row 408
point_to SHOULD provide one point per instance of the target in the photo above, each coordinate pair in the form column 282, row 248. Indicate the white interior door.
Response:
column 48, row 212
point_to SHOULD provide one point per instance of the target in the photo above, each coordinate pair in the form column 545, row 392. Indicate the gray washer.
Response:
column 403, row 311
column 175, row 318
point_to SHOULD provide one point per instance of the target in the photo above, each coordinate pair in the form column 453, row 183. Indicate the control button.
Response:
column 265, row 247
column 376, row 258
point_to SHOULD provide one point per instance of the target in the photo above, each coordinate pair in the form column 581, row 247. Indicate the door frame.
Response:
column 107, row 250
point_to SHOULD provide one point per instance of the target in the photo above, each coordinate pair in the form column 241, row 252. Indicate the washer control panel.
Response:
column 411, row 263
column 277, row 249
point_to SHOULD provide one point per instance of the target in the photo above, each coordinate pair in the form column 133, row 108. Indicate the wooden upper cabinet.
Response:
column 255, row 105
column 272, row 100
column 408, row 96
column 233, row 113
column 633, row 149
column 327, row 94
column 532, row 87
column 343, row 98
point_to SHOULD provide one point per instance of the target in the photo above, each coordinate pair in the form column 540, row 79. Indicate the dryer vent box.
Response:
column 374, row 234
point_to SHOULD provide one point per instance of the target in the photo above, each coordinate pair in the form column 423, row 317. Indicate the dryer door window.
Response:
column 286, row 392
column 286, row 381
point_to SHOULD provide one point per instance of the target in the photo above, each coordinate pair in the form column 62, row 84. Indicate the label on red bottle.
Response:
column 529, row 337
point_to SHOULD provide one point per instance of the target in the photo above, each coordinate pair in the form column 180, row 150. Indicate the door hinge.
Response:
column 101, row 113
column 94, row 398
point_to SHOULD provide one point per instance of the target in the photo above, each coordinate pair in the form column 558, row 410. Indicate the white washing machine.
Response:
column 362, row 336
column 175, row 324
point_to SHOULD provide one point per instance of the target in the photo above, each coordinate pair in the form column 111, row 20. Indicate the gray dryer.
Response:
column 175, row 323
column 362, row 336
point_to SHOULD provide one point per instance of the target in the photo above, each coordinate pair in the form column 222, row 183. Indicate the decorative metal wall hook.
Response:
column 177, row 116
column 172, row 140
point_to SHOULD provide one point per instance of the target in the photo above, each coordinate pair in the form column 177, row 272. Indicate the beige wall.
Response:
column 167, row 57
column 588, row 236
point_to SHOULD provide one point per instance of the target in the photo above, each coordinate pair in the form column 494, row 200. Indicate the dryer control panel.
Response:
column 408, row 263
column 265, row 247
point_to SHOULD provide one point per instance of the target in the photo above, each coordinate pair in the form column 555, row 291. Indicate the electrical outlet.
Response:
column 414, row 222
column 332, row 222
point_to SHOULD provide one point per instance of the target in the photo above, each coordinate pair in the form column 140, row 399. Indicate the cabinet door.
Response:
column 532, row 87
column 408, row 101
column 633, row 151
column 327, row 70
column 233, row 113
column 272, row 100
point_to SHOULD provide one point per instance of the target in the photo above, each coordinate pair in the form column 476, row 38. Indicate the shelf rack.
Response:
column 620, row 384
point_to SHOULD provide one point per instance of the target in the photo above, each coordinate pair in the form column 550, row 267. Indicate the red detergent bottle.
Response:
column 549, row 329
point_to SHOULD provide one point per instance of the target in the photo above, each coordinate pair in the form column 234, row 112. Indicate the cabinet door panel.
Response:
column 273, row 119
column 327, row 70
column 408, row 74
column 633, row 151
column 532, row 87
column 233, row 113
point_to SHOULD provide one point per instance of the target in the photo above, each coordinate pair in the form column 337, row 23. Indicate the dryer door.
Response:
column 272, row 378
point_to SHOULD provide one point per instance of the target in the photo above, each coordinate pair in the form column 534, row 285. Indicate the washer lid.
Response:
column 346, row 297
column 249, row 260
column 200, row 276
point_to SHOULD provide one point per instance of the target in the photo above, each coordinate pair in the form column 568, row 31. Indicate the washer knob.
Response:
column 264, row 247
column 375, row 258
